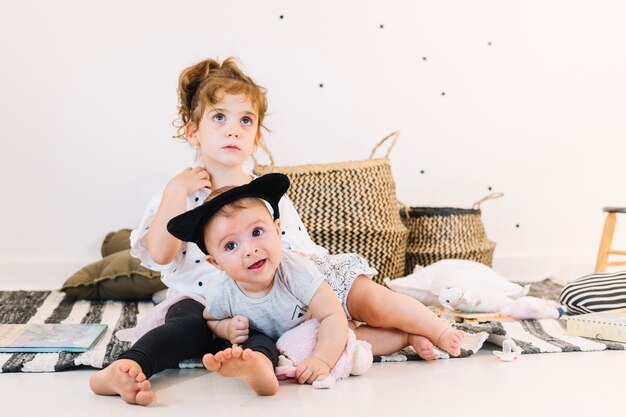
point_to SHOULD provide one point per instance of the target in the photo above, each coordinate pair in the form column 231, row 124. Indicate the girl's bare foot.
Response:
column 254, row 368
column 124, row 378
column 424, row 347
column 450, row 341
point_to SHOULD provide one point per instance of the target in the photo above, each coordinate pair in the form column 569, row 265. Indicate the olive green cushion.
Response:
column 117, row 276
column 116, row 242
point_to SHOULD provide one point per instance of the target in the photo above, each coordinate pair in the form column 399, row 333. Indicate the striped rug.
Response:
column 53, row 307
column 544, row 336
column 534, row 336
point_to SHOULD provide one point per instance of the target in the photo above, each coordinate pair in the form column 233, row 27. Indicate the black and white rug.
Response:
column 543, row 336
column 534, row 336
column 53, row 307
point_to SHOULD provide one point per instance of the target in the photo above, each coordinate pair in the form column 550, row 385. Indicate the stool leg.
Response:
column 605, row 242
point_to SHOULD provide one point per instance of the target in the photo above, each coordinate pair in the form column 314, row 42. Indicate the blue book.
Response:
column 49, row 337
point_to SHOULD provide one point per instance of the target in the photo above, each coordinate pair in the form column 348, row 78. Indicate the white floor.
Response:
column 572, row 384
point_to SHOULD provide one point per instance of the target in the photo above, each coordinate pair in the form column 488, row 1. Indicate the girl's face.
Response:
column 227, row 134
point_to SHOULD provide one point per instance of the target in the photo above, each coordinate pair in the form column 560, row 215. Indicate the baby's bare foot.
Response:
column 450, row 341
column 124, row 378
column 254, row 368
column 424, row 347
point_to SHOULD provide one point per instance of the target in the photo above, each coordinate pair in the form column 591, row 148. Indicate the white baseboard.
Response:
column 37, row 275
column 536, row 268
column 50, row 275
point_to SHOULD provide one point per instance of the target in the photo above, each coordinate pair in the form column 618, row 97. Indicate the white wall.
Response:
column 534, row 104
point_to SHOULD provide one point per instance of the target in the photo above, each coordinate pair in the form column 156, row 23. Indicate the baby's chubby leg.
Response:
column 254, row 368
column 125, row 378
column 378, row 306
column 386, row 341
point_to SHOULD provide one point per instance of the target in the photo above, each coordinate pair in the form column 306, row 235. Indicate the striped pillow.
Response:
column 596, row 292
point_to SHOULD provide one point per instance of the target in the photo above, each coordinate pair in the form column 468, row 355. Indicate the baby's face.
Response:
column 246, row 245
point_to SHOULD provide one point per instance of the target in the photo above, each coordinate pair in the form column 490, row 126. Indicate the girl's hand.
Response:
column 311, row 369
column 189, row 181
column 238, row 329
column 162, row 246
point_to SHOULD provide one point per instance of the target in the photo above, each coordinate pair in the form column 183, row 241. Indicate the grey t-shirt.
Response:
column 283, row 308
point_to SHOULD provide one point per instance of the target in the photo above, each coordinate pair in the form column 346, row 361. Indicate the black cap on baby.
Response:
column 189, row 226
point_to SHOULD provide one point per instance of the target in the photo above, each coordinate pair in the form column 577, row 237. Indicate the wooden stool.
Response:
column 607, row 238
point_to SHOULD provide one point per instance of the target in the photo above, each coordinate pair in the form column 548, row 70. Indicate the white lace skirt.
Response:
column 341, row 271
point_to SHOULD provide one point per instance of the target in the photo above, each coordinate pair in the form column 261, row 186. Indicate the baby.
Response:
column 271, row 289
column 263, row 286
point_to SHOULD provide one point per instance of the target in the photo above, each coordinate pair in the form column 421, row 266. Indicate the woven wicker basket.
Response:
column 350, row 207
column 437, row 233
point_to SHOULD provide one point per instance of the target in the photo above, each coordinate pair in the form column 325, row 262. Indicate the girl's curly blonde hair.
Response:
column 205, row 84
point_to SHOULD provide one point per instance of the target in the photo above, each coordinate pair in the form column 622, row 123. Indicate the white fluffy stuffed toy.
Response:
column 472, row 287
column 459, row 284
column 298, row 343
column 533, row 308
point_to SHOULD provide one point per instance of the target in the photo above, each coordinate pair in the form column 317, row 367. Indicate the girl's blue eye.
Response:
column 219, row 117
column 257, row 232
column 246, row 121
column 230, row 246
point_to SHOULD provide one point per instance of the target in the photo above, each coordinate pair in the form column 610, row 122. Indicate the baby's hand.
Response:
column 238, row 329
column 311, row 369
column 190, row 180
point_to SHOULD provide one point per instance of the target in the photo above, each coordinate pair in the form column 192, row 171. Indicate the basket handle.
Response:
column 403, row 207
column 491, row 196
column 394, row 138
column 265, row 149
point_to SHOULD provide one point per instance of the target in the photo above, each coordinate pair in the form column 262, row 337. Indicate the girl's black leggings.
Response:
column 185, row 335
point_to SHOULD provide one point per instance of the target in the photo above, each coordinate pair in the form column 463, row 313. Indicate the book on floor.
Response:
column 49, row 337
column 605, row 325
